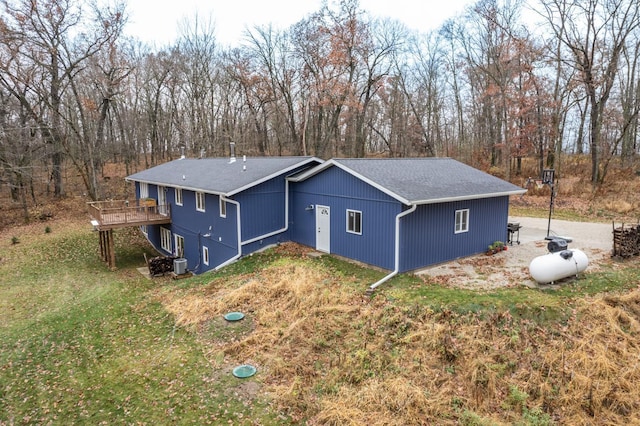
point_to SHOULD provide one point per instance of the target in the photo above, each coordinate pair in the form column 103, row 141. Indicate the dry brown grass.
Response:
column 326, row 355
column 601, row 362
column 615, row 199
column 620, row 206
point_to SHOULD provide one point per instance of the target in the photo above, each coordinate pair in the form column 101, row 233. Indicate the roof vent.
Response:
column 182, row 152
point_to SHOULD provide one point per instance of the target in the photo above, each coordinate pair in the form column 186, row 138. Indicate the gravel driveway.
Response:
column 511, row 267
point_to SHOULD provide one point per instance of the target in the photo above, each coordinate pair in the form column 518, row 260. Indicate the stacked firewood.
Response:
column 160, row 265
column 626, row 240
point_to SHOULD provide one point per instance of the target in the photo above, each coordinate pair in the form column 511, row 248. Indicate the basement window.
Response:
column 205, row 255
column 462, row 221
column 200, row 201
column 354, row 222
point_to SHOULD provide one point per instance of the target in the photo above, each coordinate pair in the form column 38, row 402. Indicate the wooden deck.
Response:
column 108, row 215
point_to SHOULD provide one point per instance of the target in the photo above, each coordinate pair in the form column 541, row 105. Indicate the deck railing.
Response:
column 125, row 212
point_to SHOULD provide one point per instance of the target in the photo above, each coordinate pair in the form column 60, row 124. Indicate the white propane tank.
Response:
column 555, row 266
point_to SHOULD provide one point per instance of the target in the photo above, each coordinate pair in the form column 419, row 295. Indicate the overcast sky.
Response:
column 156, row 21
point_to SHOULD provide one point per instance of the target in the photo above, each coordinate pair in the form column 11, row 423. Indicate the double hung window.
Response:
column 462, row 221
column 354, row 222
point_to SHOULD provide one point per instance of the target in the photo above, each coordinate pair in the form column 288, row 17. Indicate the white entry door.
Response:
column 323, row 228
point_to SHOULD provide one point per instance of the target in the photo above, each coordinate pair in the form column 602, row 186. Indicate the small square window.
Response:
column 223, row 207
column 462, row 221
column 354, row 222
column 200, row 201
column 178, row 196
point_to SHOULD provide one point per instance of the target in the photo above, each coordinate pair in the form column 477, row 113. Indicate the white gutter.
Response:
column 237, row 256
column 286, row 219
column 252, row 240
column 470, row 197
column 397, row 251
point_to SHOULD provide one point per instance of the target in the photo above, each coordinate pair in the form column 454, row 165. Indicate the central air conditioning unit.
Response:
column 180, row 266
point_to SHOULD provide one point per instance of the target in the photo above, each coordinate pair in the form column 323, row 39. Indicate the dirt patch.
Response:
column 511, row 267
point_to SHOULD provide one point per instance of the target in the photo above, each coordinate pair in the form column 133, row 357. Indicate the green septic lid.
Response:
column 244, row 371
column 234, row 316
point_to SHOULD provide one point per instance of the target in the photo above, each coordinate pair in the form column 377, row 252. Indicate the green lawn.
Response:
column 80, row 344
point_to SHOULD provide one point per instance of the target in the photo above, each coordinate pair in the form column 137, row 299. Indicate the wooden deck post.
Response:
column 102, row 245
column 107, row 248
column 112, row 251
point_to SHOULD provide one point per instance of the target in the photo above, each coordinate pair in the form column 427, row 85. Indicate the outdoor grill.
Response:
column 513, row 228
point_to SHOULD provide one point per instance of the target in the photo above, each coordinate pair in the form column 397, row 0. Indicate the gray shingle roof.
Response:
column 423, row 180
column 218, row 175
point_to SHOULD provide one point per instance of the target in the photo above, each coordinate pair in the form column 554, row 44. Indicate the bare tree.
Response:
column 424, row 90
column 197, row 72
column 48, row 43
column 630, row 93
column 595, row 32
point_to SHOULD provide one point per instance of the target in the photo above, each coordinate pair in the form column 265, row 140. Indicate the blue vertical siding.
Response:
column 428, row 235
column 153, row 235
column 341, row 191
column 208, row 228
column 262, row 208
column 198, row 229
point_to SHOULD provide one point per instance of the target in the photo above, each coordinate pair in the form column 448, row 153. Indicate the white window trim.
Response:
column 165, row 239
column 144, row 230
column 178, row 198
column 356, row 212
column 462, row 213
column 205, row 255
column 201, row 207
column 144, row 190
column 223, row 207
column 177, row 238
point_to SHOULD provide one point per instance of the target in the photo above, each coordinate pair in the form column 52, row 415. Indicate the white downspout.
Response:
column 237, row 256
column 286, row 219
column 397, row 249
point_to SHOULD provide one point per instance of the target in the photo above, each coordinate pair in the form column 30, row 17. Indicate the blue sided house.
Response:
column 220, row 208
column 396, row 214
